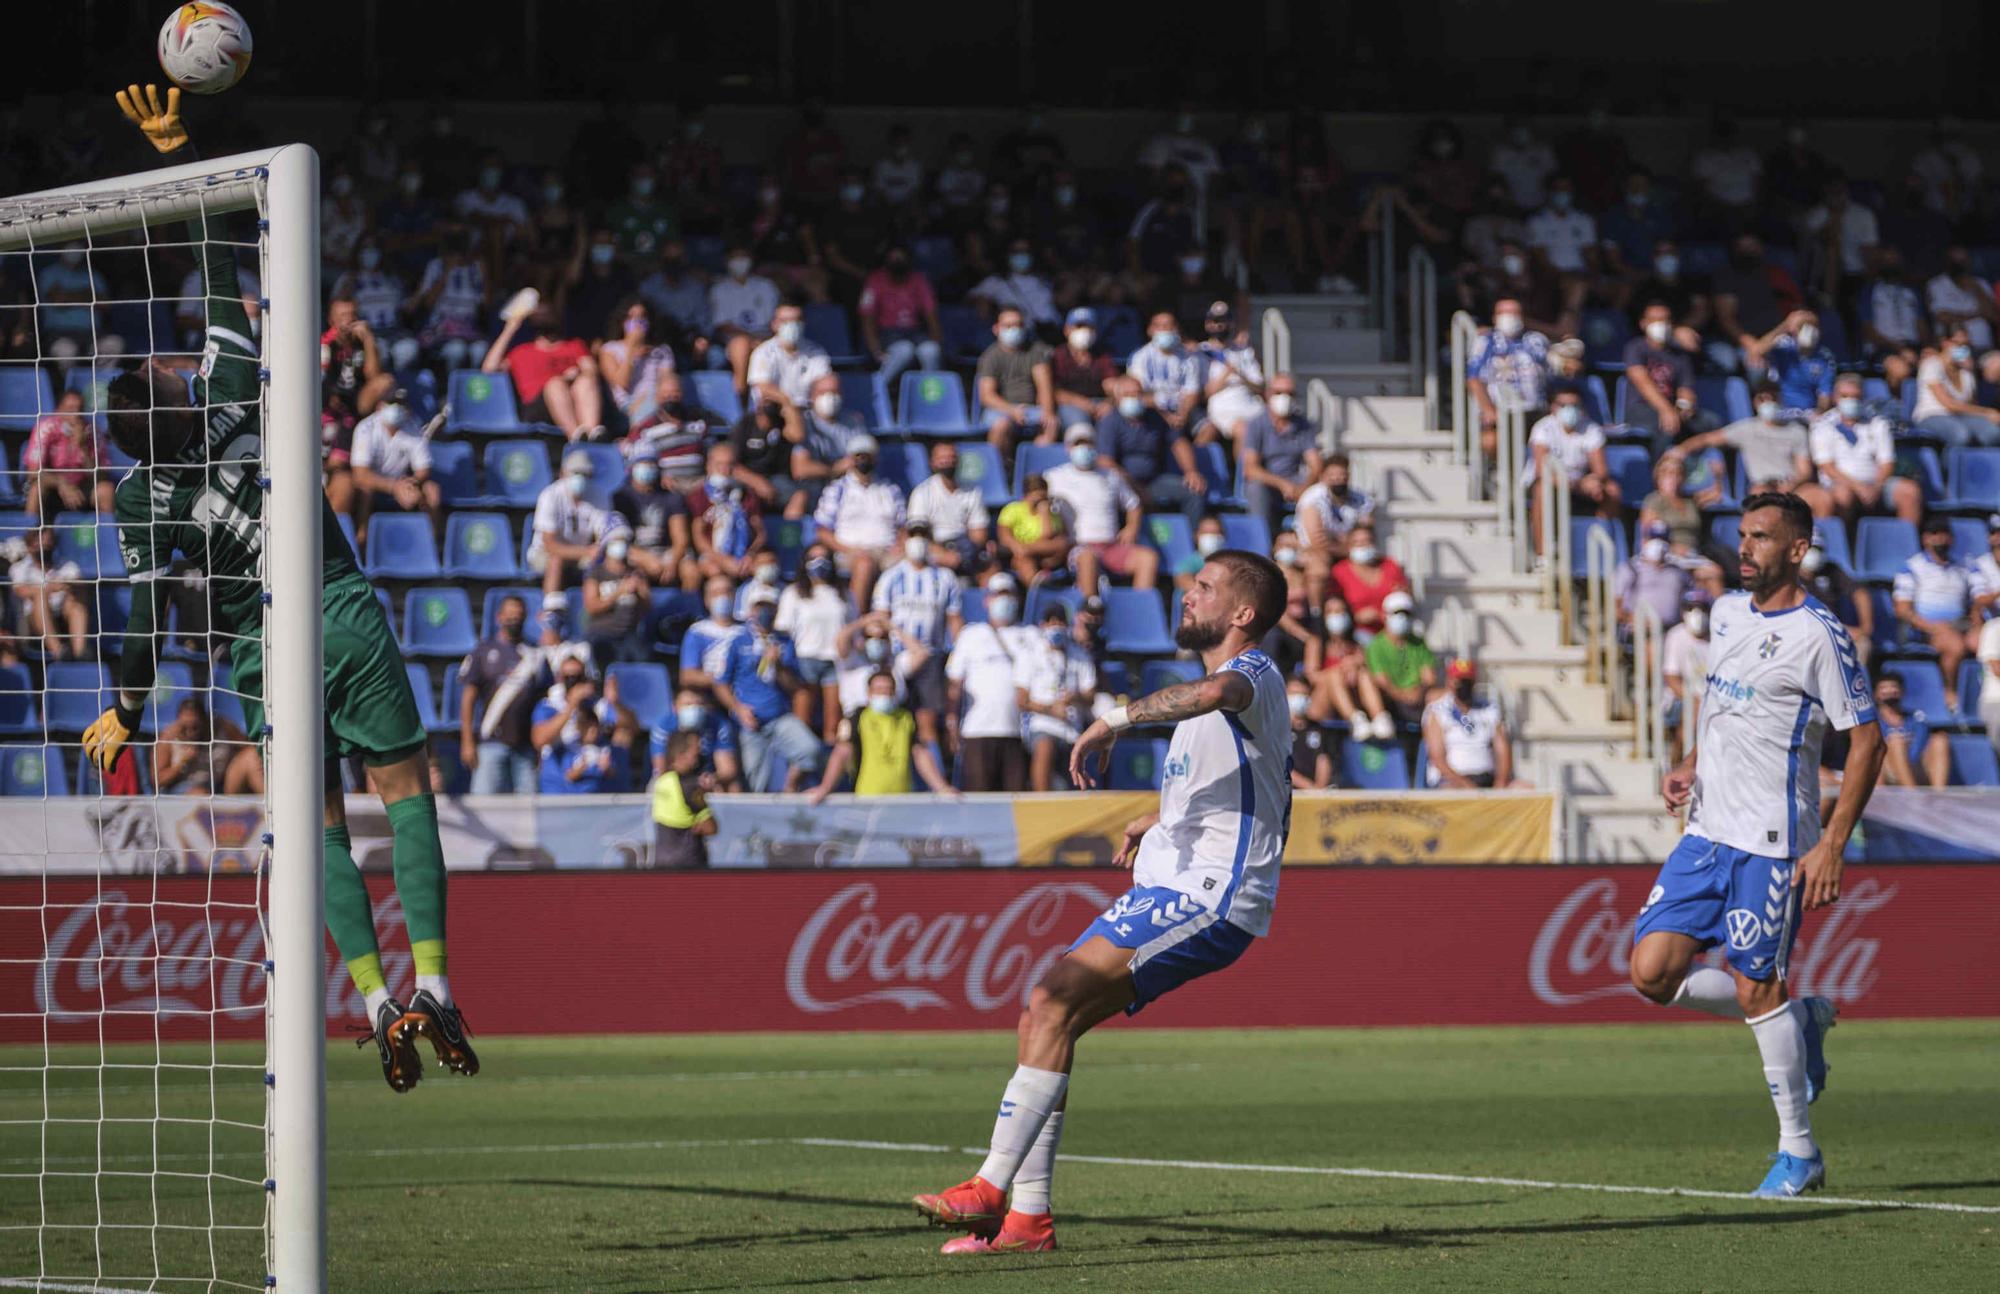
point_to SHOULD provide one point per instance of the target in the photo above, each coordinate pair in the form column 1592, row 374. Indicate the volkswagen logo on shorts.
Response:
column 1743, row 928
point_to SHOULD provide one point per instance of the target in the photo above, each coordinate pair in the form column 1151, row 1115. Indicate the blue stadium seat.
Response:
column 113, row 611
column 171, row 686
column 1971, row 678
column 1596, row 403
column 1725, row 531
column 979, row 469
column 1157, row 674
column 1632, row 467
column 1220, row 473
column 1041, row 595
column 1135, row 764
column 1113, row 679
column 863, row 393
column 1579, row 541
column 32, row 771
column 715, row 390
column 400, row 547
column 966, row 335
column 25, row 395
column 1972, row 760
column 16, row 525
column 1922, row 465
column 389, row 615
column 225, row 702
column 1968, row 539
column 478, row 546
column 89, row 382
column 20, row 710
column 645, row 690
column 421, row 386
column 1830, row 533
column 1170, row 534
column 789, row 539
column 1033, row 460
column 935, row 255
column 12, row 483
column 972, row 605
column 452, row 468
column 346, row 524
column 1923, row 689
column 1373, row 766
column 1604, row 334
column 448, row 700
column 437, row 622
column 90, row 539
column 607, row 471
column 531, row 596
column 1134, row 625
column 420, row 691
column 74, row 693
column 1975, row 477
column 482, row 404
column 1246, row 530
column 1118, row 331
column 826, row 323
column 905, row 462
column 1621, row 391
column 933, row 404
column 517, row 471
column 1882, row 545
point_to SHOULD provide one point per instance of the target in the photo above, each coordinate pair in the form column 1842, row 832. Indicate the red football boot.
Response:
column 1020, row 1233
column 975, row 1206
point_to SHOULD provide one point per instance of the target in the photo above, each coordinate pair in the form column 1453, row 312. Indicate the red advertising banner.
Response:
column 660, row 952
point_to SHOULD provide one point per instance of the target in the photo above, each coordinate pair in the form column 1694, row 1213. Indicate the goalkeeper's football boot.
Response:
column 1790, row 1176
column 1021, row 1233
column 401, row 1066
column 1821, row 1015
column 976, row 1206
column 445, row 1028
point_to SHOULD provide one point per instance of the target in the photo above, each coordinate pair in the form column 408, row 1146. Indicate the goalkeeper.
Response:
column 198, row 441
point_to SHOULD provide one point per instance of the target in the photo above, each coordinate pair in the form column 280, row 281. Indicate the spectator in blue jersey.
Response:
column 574, row 724
column 1510, row 365
column 924, row 606
column 1168, row 373
column 728, row 517
column 756, row 677
column 1803, row 364
column 1913, row 755
column 695, row 711
column 1933, row 594
column 718, row 600
column 591, row 762
column 1154, row 456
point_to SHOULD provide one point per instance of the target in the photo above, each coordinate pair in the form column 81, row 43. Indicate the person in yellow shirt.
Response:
column 682, row 819
column 1032, row 532
column 880, row 741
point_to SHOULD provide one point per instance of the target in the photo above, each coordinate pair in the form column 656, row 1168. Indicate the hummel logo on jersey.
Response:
column 1006, row 1109
column 1175, row 912
column 1769, row 647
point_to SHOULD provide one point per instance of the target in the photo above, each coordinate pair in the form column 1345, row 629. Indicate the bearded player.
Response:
column 197, row 439
column 1205, row 874
column 1781, row 670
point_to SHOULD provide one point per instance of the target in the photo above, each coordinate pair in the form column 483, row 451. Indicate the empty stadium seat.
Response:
column 1881, row 547
column 1135, row 764
column 226, row 703
column 863, row 393
column 1923, row 689
column 1373, row 766
column 482, row 404
column 448, row 700
column 905, row 462
column 90, row 539
column 1579, row 541
column 1632, row 467
column 1604, row 334
column 933, row 404
column 517, row 471
column 1596, row 403
column 1920, row 463
column 1972, row 760
column 16, row 525
column 1975, row 477
column 979, row 469
column 645, row 690
column 1170, row 534
column 171, row 686
column 420, row 691
column 20, row 708
column 972, row 605
column 437, row 622
column 1041, row 595
column 1971, row 679
column 400, row 547
column 1134, row 625
column 789, row 537
column 346, row 524
column 1246, row 530
column 1968, row 539
column 74, row 693
column 25, row 395
column 715, row 390
column 531, row 596
column 1113, row 679
column 12, row 483
column 453, row 470
column 1035, row 460
column 477, row 546
column 1830, row 534
column 966, row 335
column 826, row 323
column 1164, row 673
column 32, row 771
column 1728, row 398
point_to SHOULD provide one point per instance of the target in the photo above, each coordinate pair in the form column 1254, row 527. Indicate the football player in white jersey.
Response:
column 1781, row 670
column 1205, row 872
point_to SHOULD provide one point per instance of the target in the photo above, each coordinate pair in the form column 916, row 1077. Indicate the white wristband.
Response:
column 1118, row 719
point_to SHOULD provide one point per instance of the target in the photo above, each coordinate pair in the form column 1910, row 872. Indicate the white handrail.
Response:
column 1387, row 291
column 1556, row 590
column 1324, row 409
column 1513, row 502
column 1600, row 621
column 1423, row 332
column 1464, row 333
column 1277, row 342
column 1649, row 722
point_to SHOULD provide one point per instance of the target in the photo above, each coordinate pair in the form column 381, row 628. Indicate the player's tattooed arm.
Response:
column 1223, row 690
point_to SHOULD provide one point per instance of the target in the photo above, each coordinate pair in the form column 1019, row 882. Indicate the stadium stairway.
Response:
column 1472, row 600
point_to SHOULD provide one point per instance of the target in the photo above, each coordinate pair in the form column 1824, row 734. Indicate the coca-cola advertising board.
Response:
column 894, row 949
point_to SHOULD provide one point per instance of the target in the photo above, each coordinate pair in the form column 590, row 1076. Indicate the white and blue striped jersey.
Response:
column 1937, row 590
column 917, row 599
column 1171, row 377
column 1776, row 681
column 1226, row 804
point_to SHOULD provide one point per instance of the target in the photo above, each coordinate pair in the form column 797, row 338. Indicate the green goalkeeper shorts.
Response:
column 370, row 711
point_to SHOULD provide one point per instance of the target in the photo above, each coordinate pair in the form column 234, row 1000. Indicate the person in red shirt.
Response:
column 61, row 462
column 555, row 377
column 1082, row 372
column 899, row 319
column 1365, row 578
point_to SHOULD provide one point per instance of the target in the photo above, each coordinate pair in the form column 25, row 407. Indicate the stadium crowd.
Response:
column 887, row 470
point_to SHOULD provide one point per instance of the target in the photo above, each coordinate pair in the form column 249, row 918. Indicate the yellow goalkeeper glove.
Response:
column 162, row 129
column 104, row 739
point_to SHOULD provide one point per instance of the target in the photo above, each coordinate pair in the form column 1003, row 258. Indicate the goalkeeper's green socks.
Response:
column 419, row 860
column 352, row 920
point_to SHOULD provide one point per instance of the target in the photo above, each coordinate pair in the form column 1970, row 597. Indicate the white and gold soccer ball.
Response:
column 205, row 47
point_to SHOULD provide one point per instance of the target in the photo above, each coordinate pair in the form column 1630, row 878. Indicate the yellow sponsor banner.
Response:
column 1328, row 827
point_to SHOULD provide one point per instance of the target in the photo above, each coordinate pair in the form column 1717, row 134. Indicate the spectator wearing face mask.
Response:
column 570, row 530
column 1569, row 445
column 1946, row 390
column 1168, row 373
column 822, row 454
column 755, row 674
column 1913, row 754
column 575, row 716
column 1197, row 287
column 1233, row 380
column 1856, row 459
column 899, row 319
column 641, row 221
column 851, row 233
column 982, row 701
column 783, row 369
column 497, row 216
column 1662, row 277
column 1771, row 444
column 1278, row 452
column 1494, row 225
column 1684, row 668
column 1153, row 458
column 1055, row 683
column 1081, row 372
column 765, row 573
column 1105, row 514
column 1342, row 687
column 502, row 679
column 923, row 602
column 1328, row 511
column 812, row 610
column 1933, row 594
column 880, row 742
column 867, row 646
column 64, row 459
column 859, row 516
column 589, row 761
column 761, row 442
column 391, row 462
column 898, row 175
column 1637, row 225
column 1660, row 376
column 1959, row 298
column 674, row 434
column 631, row 359
column 696, row 714
column 1843, row 234
column 1401, row 663
column 1986, row 572
column 719, row 601
column 1208, row 540
column 727, row 517
column 1894, row 327
column 1016, row 390
column 1751, row 298
column 1312, row 753
column 1032, row 533
column 1802, row 364
column 1509, row 366
column 1465, row 735
column 1565, row 236
column 682, row 820
column 1161, row 228
column 1021, row 288
column 1365, row 578
column 1180, row 146
column 741, row 305
column 1649, row 579
column 555, row 377
column 677, row 294
column 662, row 539
column 1524, row 161
column 594, row 284
column 617, row 597
column 377, row 292
column 960, row 528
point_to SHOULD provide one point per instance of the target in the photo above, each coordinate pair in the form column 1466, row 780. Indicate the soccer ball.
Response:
column 205, row 47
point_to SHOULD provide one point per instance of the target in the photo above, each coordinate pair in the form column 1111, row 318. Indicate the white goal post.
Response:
column 282, row 186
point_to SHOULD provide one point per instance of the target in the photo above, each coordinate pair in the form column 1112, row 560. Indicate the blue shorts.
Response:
column 1721, row 895
column 815, row 672
column 1173, row 939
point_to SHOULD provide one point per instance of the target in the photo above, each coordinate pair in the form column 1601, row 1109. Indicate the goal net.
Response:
column 162, row 969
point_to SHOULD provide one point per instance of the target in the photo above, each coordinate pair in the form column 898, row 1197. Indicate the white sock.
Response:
column 438, row 987
column 1031, row 1184
column 1781, row 1039
column 1031, row 1095
column 1711, row 990
column 375, row 998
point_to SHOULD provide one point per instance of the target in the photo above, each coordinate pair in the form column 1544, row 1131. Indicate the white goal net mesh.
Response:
column 134, row 1089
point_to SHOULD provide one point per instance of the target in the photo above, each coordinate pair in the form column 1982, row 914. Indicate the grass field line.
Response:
column 61, row 1287
column 1460, row 1179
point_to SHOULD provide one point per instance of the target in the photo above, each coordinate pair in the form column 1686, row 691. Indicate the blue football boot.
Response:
column 1790, row 1176
column 1821, row 1015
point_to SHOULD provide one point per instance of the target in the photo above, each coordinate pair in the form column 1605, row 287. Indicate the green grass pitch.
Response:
column 689, row 1163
